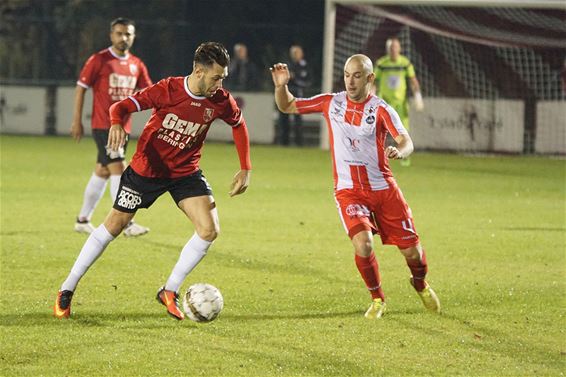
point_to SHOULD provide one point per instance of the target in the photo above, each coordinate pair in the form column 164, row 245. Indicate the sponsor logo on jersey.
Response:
column 180, row 133
column 353, row 144
column 116, row 80
column 173, row 122
column 197, row 104
column 134, row 69
column 207, row 116
column 370, row 119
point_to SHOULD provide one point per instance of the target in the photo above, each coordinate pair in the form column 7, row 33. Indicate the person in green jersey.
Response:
column 392, row 72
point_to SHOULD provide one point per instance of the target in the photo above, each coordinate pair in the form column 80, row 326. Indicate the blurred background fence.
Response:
column 493, row 77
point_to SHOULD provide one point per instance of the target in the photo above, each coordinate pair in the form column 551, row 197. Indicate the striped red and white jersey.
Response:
column 357, row 134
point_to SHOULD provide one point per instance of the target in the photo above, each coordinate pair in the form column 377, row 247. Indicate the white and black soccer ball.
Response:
column 203, row 302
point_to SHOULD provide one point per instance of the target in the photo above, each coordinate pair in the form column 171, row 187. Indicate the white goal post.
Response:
column 536, row 100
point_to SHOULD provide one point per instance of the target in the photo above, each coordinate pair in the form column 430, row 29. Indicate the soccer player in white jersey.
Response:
column 367, row 196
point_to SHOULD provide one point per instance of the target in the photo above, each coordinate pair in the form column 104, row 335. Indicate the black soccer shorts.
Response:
column 106, row 156
column 137, row 192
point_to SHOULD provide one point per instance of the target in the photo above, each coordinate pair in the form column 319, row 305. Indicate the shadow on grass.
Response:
column 122, row 320
column 292, row 268
column 275, row 316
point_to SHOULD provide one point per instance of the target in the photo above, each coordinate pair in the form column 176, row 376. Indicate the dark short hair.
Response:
column 121, row 21
column 209, row 53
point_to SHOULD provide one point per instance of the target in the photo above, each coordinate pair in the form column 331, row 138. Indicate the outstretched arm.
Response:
column 283, row 98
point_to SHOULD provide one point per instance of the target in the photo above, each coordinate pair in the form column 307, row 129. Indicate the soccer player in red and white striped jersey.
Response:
column 113, row 74
column 167, row 160
column 367, row 196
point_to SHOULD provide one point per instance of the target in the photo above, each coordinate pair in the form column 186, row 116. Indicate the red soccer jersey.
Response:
column 171, row 142
column 112, row 79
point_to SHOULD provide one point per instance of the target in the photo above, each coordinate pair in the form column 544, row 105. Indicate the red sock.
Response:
column 369, row 270
column 418, row 269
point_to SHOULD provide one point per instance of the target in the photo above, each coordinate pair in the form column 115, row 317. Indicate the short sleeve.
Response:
column 232, row 114
column 389, row 118
column 315, row 104
column 89, row 73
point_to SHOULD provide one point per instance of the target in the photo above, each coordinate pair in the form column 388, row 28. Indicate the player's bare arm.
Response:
column 116, row 137
column 77, row 129
column 283, row 98
column 240, row 182
column 403, row 149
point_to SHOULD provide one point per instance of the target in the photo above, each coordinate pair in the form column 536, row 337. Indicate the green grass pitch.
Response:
column 493, row 227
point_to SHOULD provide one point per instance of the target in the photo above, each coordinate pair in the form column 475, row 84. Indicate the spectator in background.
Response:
column 113, row 74
column 391, row 74
column 243, row 72
column 300, row 80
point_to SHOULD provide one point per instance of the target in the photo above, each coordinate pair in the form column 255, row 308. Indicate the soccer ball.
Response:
column 203, row 302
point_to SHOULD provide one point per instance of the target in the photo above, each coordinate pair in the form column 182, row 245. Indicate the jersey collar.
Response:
column 186, row 83
column 118, row 56
column 358, row 103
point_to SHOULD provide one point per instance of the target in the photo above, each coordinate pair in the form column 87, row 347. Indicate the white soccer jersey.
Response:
column 357, row 133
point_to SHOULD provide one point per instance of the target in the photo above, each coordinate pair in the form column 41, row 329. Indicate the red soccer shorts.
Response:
column 384, row 212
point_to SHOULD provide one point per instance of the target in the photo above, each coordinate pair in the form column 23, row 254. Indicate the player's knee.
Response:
column 411, row 252
column 363, row 247
column 208, row 233
column 116, row 221
column 102, row 171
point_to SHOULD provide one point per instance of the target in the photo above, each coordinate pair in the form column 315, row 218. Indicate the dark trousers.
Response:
column 285, row 125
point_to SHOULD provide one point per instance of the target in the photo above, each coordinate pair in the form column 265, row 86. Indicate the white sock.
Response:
column 114, row 186
column 93, row 192
column 92, row 249
column 191, row 255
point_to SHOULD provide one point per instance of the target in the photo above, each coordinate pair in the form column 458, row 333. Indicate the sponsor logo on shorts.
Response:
column 357, row 210
column 128, row 198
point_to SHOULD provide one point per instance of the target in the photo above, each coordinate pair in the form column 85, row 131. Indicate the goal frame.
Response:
column 330, row 27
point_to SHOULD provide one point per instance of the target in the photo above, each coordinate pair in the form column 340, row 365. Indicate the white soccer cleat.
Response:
column 135, row 230
column 84, row 227
column 376, row 310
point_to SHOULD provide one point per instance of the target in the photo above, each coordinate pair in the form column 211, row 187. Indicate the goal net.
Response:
column 493, row 77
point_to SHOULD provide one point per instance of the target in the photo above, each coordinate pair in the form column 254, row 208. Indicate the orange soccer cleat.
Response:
column 171, row 301
column 62, row 307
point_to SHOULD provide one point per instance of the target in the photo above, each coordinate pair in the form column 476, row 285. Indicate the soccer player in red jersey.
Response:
column 367, row 196
column 167, row 160
column 113, row 74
